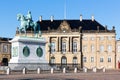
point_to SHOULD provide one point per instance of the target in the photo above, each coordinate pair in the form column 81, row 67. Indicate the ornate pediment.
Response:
column 64, row 27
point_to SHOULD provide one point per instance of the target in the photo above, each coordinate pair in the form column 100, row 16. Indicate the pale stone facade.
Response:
column 84, row 48
column 80, row 43
column 118, row 54
column 5, row 50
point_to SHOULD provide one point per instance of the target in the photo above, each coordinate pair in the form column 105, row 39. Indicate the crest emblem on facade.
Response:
column 64, row 27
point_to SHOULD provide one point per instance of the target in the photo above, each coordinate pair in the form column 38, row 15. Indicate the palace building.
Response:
column 78, row 43
column 5, row 51
column 118, row 54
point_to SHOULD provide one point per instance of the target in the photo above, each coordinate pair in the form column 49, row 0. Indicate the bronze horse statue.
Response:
column 26, row 23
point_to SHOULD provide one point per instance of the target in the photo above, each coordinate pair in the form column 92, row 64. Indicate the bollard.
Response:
column 94, row 69
column 38, row 70
column 85, row 69
column 8, row 71
column 52, row 70
column 75, row 70
column 104, row 69
column 64, row 70
column 24, row 70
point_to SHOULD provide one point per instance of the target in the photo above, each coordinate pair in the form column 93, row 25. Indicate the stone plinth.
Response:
column 28, row 52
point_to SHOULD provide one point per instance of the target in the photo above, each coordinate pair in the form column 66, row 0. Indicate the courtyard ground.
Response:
column 108, row 75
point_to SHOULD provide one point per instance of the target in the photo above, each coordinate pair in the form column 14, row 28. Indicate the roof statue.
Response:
column 26, row 22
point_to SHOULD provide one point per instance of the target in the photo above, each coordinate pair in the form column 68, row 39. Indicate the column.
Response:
column 60, row 44
column 70, row 44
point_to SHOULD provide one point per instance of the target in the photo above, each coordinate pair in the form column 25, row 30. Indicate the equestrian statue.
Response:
column 27, row 22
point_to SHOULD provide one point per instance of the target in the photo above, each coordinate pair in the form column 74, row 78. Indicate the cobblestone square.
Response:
column 108, row 75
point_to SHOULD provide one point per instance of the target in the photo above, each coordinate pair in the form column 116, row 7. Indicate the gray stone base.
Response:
column 29, row 66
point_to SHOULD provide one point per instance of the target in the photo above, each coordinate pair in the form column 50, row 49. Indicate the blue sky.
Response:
column 106, row 12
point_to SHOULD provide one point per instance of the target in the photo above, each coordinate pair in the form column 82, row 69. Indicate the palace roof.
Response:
column 74, row 24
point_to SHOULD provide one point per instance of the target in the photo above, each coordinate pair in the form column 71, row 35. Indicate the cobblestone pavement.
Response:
column 112, row 75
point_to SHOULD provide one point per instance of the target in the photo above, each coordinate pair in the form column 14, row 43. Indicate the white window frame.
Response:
column 109, row 48
column 92, row 59
column 101, row 59
column 109, row 59
column 74, row 47
column 84, row 59
column 92, row 48
column 64, row 47
column 52, row 47
column 101, row 48
column 118, row 48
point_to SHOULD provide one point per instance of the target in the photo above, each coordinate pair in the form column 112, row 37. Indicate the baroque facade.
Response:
column 78, row 43
column 5, row 50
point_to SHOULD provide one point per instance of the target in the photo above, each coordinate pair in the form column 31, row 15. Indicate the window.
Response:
column 84, row 38
column 74, row 60
column 109, row 37
column 101, row 38
column 109, row 59
column 92, row 59
column 74, row 47
column 101, row 48
column 92, row 38
column 109, row 48
column 92, row 48
column 52, row 60
column 84, row 59
column 63, row 60
column 63, row 47
column 118, row 48
column 5, row 48
column 101, row 59
column 52, row 47
column 84, row 48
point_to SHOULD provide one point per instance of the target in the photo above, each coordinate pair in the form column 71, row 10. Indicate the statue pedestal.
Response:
column 28, row 52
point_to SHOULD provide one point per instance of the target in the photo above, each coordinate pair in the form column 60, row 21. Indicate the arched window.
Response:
column 52, row 61
column 74, row 60
column 26, row 51
column 63, row 60
column 39, row 52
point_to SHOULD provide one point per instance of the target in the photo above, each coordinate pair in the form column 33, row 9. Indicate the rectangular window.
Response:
column 84, row 59
column 92, row 48
column 101, row 59
column 109, row 48
column 52, row 60
column 101, row 38
column 5, row 48
column 109, row 37
column 52, row 47
column 84, row 38
column 92, row 38
column 92, row 59
column 74, row 47
column 109, row 59
column 84, row 48
column 118, row 48
column 101, row 48
column 63, row 47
